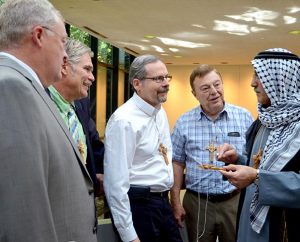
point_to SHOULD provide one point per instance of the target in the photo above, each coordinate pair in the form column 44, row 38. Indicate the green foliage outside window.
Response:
column 1, row 2
column 105, row 52
column 80, row 35
column 104, row 48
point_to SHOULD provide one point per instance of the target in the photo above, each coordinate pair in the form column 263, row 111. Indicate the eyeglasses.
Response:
column 159, row 79
column 64, row 39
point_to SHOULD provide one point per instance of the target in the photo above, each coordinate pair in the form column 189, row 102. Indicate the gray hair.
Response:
column 137, row 68
column 75, row 50
column 18, row 17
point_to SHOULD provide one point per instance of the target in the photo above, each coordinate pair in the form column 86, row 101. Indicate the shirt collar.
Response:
column 225, row 112
column 63, row 105
column 24, row 65
column 144, row 106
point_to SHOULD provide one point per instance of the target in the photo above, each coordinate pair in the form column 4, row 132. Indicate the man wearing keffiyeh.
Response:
column 270, row 208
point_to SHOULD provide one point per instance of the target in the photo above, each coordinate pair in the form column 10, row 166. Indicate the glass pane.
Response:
column 127, row 62
column 101, row 99
column 105, row 52
column 80, row 35
column 121, row 59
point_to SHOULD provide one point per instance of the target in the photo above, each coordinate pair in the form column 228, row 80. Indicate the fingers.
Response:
column 223, row 148
column 180, row 223
column 226, row 153
column 229, row 171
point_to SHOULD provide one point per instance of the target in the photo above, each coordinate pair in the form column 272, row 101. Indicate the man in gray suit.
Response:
column 46, row 192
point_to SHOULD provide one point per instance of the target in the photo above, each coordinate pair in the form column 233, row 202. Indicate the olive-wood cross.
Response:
column 211, row 148
column 164, row 151
column 257, row 158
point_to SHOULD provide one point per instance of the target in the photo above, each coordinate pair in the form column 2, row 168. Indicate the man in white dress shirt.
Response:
column 138, row 153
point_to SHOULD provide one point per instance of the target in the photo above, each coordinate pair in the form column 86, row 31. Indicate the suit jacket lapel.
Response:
column 12, row 64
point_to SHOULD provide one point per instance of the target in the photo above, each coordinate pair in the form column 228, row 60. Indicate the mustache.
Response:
column 163, row 90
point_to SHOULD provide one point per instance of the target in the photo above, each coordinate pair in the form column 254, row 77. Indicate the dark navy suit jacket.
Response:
column 95, row 147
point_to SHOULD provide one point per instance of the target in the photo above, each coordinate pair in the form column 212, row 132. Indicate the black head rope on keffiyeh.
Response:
column 279, row 72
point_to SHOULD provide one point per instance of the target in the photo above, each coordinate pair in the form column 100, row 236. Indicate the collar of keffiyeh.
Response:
column 279, row 72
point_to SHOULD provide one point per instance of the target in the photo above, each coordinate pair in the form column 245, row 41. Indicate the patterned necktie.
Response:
column 73, row 125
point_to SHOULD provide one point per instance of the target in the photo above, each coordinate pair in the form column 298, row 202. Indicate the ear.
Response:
column 37, row 35
column 64, row 67
column 136, row 83
column 193, row 93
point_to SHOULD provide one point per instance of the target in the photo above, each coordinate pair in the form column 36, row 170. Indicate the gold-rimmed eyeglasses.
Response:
column 64, row 39
column 160, row 79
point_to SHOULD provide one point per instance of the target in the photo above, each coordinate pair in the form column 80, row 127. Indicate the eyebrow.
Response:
column 90, row 67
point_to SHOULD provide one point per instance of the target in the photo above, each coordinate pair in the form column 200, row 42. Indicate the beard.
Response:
column 162, row 98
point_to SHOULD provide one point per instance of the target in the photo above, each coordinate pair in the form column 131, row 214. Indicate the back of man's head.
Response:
column 18, row 17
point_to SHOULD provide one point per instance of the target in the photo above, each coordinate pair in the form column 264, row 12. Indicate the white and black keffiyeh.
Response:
column 279, row 72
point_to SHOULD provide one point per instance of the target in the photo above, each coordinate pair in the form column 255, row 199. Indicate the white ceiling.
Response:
column 264, row 24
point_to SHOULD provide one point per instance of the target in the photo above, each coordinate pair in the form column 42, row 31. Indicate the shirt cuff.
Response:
column 128, row 234
column 241, row 160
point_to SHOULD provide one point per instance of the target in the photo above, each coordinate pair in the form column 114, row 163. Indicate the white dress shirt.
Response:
column 132, row 138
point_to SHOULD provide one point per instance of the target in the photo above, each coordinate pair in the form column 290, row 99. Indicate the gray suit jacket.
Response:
column 45, row 190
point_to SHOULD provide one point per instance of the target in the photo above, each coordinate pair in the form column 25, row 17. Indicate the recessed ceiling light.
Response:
column 293, row 10
column 260, row 16
column 181, row 43
column 289, row 20
column 158, row 48
column 295, row 32
column 174, row 49
column 198, row 26
column 177, row 56
column 149, row 37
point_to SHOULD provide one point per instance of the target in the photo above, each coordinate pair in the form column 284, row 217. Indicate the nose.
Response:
column 254, row 81
column 213, row 89
column 165, row 83
column 91, row 77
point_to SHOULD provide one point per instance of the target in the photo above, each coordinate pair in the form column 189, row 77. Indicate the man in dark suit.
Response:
column 46, row 192
column 67, row 94
column 95, row 147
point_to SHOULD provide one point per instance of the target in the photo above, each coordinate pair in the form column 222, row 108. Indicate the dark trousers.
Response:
column 153, row 218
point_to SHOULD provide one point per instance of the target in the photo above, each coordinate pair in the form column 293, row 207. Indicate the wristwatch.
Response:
column 256, row 181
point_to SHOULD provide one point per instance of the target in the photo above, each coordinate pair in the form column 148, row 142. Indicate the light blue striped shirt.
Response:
column 193, row 133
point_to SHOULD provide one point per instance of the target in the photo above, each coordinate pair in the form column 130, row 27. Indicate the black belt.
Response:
column 159, row 194
column 143, row 192
column 215, row 197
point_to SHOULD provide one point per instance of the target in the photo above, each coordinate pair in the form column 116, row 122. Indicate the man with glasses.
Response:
column 210, row 202
column 138, row 172
column 46, row 192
